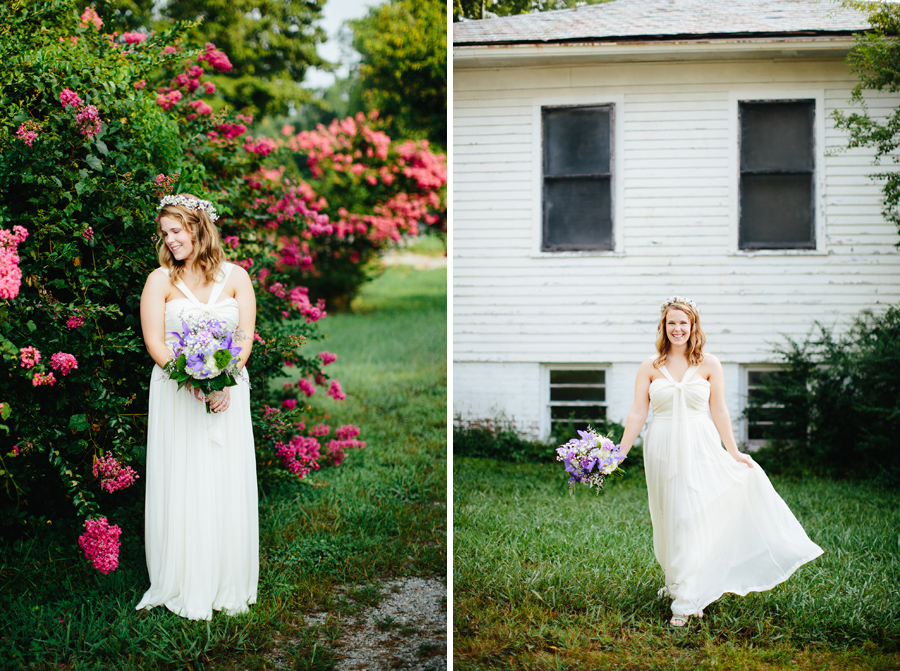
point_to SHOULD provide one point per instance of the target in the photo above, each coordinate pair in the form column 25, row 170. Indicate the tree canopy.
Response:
column 875, row 59
column 403, row 73
column 270, row 43
column 489, row 9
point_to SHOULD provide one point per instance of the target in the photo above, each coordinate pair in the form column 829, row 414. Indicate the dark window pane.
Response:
column 577, row 393
column 587, row 413
column 757, row 432
column 776, row 211
column 576, row 141
column 577, row 214
column 756, row 377
column 577, row 376
column 777, row 136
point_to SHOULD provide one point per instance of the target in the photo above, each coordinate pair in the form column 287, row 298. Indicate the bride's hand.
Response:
column 220, row 400
column 742, row 458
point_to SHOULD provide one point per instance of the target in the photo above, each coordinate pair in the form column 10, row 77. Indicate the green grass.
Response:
column 381, row 514
column 545, row 580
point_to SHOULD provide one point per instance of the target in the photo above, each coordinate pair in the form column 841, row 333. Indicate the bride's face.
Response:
column 678, row 327
column 177, row 238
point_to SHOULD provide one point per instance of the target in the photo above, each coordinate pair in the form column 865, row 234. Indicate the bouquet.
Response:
column 590, row 459
column 205, row 355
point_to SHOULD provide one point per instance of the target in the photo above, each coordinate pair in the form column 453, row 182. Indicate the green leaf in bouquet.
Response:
column 222, row 358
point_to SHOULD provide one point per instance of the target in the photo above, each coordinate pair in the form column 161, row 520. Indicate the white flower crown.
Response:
column 677, row 299
column 190, row 203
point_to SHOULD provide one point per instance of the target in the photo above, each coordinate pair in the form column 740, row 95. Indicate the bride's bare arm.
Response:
column 719, row 411
column 641, row 406
column 153, row 317
column 246, row 299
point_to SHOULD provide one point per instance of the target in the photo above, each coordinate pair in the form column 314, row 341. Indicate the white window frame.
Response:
column 616, row 166
column 546, row 423
column 776, row 94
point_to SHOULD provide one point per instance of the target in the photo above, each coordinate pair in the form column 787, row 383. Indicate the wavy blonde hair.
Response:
column 696, row 341
column 208, row 254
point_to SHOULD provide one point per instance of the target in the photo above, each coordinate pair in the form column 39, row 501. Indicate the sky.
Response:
column 334, row 14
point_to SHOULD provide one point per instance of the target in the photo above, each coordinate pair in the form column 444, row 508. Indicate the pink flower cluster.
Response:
column 134, row 38
column 30, row 357
column 298, row 297
column 90, row 16
column 336, row 449
column 63, row 363
column 228, row 131
column 327, row 358
column 68, row 98
column 75, row 322
column 40, row 379
column 262, row 146
column 88, row 234
column 335, row 391
column 113, row 475
column 10, row 273
column 319, row 430
column 216, row 59
column 167, row 100
column 88, row 121
column 100, row 543
column 301, row 455
column 289, row 404
column 28, row 132
column 306, row 386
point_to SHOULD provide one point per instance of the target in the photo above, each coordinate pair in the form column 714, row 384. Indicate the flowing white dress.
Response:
column 201, row 520
column 718, row 525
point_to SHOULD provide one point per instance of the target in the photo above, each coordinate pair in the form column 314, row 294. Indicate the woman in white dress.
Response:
column 201, row 521
column 718, row 525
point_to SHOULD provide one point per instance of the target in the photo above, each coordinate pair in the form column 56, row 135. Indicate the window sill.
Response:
column 778, row 252
column 577, row 254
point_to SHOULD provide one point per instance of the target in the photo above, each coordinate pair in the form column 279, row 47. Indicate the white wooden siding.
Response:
column 674, row 224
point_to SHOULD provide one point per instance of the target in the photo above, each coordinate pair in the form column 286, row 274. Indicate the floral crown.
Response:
column 190, row 203
column 677, row 299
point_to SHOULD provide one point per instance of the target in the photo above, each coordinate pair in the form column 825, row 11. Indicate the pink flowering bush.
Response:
column 100, row 543
column 105, row 147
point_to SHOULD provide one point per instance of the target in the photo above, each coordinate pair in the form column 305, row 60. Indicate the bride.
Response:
column 718, row 525
column 201, row 523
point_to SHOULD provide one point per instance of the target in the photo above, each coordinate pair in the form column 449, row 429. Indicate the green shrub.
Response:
column 836, row 404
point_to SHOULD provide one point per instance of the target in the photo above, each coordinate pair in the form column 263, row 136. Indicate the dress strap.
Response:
column 665, row 371
column 688, row 374
column 220, row 284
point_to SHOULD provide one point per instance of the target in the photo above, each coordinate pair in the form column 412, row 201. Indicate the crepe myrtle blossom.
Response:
column 301, row 455
column 113, row 475
column 28, row 132
column 10, row 273
column 63, row 363
column 40, row 379
column 75, row 322
column 306, row 386
column 327, row 358
column 90, row 16
column 29, row 356
column 289, row 404
column 100, row 543
column 335, row 391
column 68, row 98
column 134, row 38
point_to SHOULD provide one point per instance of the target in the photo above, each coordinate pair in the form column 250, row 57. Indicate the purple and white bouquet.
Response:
column 590, row 459
column 206, row 355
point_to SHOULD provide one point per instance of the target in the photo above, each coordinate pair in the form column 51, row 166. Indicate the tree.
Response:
column 403, row 73
column 489, row 9
column 875, row 59
column 270, row 43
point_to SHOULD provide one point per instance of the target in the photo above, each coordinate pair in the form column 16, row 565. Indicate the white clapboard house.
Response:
column 609, row 156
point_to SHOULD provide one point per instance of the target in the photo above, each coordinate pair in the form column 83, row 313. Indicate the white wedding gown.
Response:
column 718, row 525
column 201, row 520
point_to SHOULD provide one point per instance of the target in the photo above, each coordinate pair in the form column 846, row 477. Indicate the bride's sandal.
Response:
column 678, row 621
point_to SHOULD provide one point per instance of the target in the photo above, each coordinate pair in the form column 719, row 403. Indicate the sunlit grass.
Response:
column 543, row 579
column 381, row 514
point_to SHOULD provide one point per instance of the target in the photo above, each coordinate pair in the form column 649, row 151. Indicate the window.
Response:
column 777, row 208
column 577, row 397
column 773, row 412
column 577, row 178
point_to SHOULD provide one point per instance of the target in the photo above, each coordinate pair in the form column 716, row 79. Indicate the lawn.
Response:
column 327, row 543
column 545, row 580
